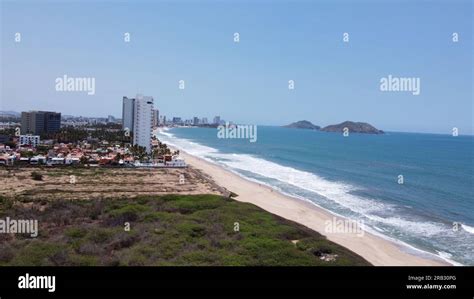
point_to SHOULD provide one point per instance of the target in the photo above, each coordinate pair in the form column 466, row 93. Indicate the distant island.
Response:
column 353, row 127
column 303, row 124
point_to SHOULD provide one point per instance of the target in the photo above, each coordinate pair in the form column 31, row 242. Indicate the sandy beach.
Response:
column 376, row 250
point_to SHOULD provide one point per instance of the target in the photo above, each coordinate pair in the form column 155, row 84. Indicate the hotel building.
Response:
column 137, row 116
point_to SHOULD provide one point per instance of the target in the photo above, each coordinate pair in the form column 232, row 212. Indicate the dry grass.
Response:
column 89, row 183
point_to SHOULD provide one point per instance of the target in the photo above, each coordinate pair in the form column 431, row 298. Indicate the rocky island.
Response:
column 303, row 124
column 354, row 127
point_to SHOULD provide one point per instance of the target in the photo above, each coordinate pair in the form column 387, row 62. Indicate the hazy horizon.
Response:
column 275, row 125
column 246, row 82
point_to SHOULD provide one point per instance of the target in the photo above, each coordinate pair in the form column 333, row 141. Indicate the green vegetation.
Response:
column 138, row 151
column 110, row 133
column 165, row 230
column 161, row 149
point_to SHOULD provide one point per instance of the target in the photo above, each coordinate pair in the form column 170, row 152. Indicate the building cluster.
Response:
column 195, row 121
column 139, row 118
column 82, row 121
column 46, row 122
column 82, row 153
column 29, row 127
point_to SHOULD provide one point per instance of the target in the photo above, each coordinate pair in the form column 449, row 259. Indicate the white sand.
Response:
column 376, row 250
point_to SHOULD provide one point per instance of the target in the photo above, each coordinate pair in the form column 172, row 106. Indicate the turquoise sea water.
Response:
column 357, row 177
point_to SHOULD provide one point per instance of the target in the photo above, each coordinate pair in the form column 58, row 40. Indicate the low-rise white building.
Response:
column 32, row 140
column 176, row 161
column 38, row 160
column 72, row 160
column 56, row 161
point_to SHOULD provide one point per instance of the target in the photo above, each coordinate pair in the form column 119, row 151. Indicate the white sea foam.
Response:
column 448, row 258
column 417, row 227
column 379, row 229
column 335, row 191
column 468, row 228
column 338, row 192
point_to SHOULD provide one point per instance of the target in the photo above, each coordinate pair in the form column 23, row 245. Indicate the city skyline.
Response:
column 246, row 81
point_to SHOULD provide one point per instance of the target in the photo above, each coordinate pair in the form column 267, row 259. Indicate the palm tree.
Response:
column 138, row 152
column 84, row 160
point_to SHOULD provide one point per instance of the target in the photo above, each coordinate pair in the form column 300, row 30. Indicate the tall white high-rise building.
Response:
column 141, row 122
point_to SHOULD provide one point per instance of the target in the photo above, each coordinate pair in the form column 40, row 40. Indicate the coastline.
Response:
column 376, row 250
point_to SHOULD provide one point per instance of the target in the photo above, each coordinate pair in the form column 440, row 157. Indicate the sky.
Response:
column 246, row 82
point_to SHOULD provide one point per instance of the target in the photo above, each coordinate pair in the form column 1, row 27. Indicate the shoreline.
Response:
column 375, row 249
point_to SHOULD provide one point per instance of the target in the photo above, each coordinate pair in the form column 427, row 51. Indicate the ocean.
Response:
column 359, row 177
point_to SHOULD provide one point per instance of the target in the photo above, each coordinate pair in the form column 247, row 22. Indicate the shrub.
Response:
column 36, row 176
column 75, row 232
column 100, row 235
column 127, row 213
column 38, row 253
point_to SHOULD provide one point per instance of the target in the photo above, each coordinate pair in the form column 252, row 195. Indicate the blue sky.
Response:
column 246, row 82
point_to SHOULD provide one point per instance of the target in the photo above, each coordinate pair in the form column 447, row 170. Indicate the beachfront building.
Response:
column 176, row 161
column 143, row 122
column 138, row 117
column 217, row 120
column 177, row 121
